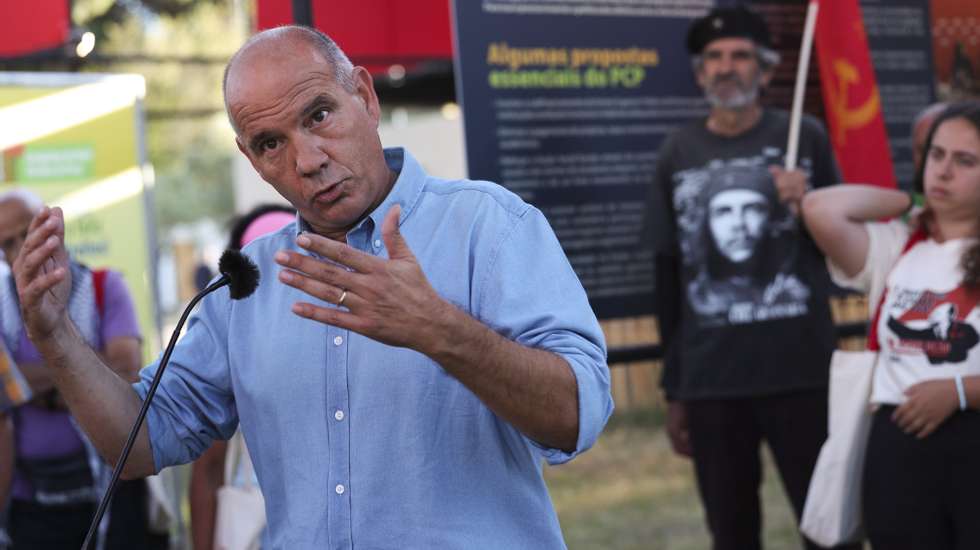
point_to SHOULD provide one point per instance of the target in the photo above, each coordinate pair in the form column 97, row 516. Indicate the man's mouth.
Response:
column 727, row 83
column 740, row 245
column 331, row 193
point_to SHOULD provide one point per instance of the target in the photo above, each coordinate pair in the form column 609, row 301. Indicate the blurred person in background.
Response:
column 58, row 475
column 208, row 471
column 742, row 291
column 920, row 478
column 13, row 393
column 6, row 471
column 416, row 348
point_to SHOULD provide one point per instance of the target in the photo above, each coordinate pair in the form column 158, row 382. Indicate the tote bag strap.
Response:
column 232, row 456
column 237, row 458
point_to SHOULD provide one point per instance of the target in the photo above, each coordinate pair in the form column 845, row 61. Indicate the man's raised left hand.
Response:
column 388, row 300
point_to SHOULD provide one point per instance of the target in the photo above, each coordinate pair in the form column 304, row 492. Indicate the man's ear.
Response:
column 699, row 76
column 364, row 89
column 245, row 151
column 765, row 76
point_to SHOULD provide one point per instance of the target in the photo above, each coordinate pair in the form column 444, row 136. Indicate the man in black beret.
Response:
column 742, row 291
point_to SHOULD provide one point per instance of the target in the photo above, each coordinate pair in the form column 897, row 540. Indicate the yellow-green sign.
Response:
column 76, row 140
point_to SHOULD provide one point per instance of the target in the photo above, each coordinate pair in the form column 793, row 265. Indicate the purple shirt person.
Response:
column 42, row 432
column 57, row 475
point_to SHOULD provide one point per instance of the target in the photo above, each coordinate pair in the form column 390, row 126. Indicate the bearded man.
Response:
column 742, row 291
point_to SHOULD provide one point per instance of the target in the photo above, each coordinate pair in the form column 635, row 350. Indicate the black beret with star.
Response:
column 737, row 22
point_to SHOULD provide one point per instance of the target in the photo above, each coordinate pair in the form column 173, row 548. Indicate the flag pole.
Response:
column 802, row 68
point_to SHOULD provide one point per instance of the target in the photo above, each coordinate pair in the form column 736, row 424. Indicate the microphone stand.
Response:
column 117, row 471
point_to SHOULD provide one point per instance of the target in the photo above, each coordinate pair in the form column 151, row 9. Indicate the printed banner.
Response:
column 76, row 140
column 956, row 48
column 566, row 104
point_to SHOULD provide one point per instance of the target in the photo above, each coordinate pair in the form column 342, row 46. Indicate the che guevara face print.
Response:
column 738, row 244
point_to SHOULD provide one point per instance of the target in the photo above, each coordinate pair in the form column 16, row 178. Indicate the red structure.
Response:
column 374, row 33
column 29, row 27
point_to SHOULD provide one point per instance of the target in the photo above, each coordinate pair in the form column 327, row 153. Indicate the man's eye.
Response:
column 269, row 145
column 319, row 116
column 10, row 241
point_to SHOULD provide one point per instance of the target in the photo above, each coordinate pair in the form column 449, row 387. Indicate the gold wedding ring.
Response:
column 343, row 296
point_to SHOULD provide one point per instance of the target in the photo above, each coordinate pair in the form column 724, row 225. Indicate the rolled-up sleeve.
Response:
column 530, row 294
column 193, row 404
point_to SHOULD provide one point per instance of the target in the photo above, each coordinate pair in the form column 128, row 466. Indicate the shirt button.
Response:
column 339, row 415
column 339, row 489
column 377, row 243
column 338, row 340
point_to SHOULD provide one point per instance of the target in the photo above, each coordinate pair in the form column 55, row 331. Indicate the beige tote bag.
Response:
column 240, row 518
column 832, row 513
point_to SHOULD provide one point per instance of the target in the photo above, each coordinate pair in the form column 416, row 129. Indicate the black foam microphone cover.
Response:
column 243, row 276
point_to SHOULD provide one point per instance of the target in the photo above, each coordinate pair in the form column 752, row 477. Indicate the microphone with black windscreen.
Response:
column 241, row 277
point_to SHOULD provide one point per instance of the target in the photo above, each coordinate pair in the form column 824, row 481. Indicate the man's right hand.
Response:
column 43, row 276
column 102, row 402
column 677, row 428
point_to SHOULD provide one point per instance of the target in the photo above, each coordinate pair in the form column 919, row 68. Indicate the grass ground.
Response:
column 630, row 492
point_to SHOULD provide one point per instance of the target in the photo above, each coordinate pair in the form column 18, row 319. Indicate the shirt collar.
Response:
column 406, row 191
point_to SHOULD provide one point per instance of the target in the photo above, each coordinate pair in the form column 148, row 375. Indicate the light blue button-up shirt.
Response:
column 357, row 444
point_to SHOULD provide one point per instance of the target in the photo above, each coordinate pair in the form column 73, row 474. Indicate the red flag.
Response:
column 850, row 93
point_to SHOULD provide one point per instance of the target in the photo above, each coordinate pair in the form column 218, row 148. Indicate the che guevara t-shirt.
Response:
column 754, row 316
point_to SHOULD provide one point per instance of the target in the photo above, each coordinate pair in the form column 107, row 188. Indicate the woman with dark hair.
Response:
column 263, row 219
column 921, row 476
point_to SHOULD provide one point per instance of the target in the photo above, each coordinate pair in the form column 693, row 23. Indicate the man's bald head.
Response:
column 285, row 39
column 17, row 208
column 23, row 199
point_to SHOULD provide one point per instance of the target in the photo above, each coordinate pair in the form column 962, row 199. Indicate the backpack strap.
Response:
column 873, row 343
column 98, row 282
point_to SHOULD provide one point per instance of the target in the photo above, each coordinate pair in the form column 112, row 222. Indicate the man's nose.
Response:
column 310, row 157
column 724, row 65
column 741, row 221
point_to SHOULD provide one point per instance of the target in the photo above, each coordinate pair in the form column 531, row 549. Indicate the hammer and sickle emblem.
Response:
column 847, row 119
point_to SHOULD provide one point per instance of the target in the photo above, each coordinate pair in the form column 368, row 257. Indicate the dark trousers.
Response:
column 36, row 527
column 726, row 437
column 923, row 493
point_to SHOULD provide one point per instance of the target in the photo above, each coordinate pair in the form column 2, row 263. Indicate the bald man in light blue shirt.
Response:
column 415, row 349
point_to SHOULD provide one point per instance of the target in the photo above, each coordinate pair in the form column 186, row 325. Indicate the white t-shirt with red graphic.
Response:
column 929, row 326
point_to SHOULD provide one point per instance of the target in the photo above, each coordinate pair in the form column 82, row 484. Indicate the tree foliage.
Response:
column 179, row 47
column 98, row 15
